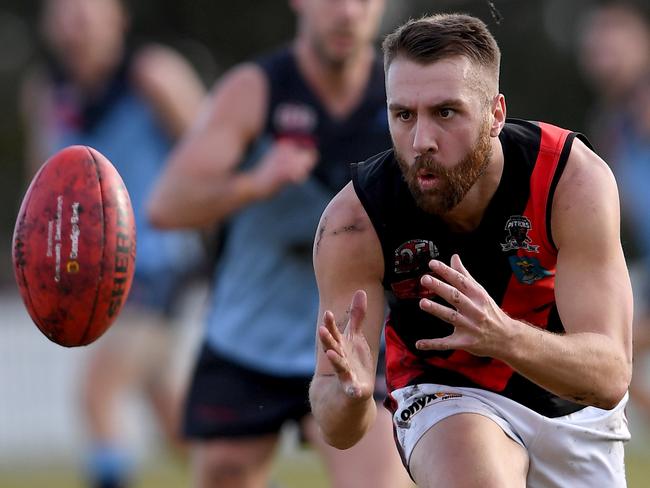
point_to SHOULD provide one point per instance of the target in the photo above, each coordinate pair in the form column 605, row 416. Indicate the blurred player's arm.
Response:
column 170, row 84
column 348, row 262
column 201, row 184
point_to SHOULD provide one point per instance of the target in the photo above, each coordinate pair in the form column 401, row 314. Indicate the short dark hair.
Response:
column 440, row 36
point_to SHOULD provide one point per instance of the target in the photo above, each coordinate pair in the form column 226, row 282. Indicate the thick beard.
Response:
column 455, row 181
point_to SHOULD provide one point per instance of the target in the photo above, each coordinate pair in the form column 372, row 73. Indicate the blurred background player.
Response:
column 615, row 58
column 272, row 147
column 130, row 103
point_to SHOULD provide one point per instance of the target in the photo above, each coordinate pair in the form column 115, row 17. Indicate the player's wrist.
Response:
column 254, row 185
column 261, row 184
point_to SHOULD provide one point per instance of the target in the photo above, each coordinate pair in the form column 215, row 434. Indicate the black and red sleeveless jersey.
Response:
column 511, row 253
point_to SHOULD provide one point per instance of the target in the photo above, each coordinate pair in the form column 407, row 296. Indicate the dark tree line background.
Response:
column 540, row 74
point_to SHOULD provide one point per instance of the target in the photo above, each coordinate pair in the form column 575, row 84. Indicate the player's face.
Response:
column 338, row 29
column 440, row 125
column 84, row 34
column 606, row 54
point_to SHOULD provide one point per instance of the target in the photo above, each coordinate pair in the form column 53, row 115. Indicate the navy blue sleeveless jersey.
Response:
column 511, row 253
column 265, row 300
column 296, row 112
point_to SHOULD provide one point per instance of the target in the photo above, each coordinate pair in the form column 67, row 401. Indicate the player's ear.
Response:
column 498, row 114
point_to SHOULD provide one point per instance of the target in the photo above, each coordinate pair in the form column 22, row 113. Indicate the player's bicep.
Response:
column 593, row 291
column 210, row 150
column 232, row 116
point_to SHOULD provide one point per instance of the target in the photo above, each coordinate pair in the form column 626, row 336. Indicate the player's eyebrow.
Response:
column 397, row 107
column 447, row 102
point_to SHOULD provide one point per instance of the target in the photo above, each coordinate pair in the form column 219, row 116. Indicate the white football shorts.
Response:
column 582, row 449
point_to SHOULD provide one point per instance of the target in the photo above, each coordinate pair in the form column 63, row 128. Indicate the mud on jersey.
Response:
column 511, row 254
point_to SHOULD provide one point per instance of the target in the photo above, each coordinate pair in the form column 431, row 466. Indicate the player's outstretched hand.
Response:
column 480, row 326
column 348, row 352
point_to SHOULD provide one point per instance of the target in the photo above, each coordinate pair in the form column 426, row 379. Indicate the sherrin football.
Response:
column 74, row 246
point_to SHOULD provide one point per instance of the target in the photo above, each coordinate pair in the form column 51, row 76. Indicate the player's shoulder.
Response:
column 346, row 219
column 156, row 62
column 345, row 207
column 246, row 76
column 586, row 198
column 585, row 173
column 239, row 99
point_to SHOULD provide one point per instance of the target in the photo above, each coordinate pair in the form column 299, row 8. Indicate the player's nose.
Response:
column 425, row 136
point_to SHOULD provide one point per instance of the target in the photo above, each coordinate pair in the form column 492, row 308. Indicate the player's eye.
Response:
column 404, row 116
column 446, row 113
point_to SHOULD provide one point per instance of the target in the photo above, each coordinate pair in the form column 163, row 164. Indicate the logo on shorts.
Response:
column 407, row 413
column 517, row 228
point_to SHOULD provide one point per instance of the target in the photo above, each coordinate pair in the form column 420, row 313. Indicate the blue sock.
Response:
column 109, row 466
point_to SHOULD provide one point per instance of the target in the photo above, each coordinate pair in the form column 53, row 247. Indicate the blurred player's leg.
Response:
column 131, row 355
column 235, row 463
column 372, row 463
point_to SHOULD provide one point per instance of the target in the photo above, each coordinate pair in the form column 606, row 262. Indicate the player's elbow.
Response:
column 337, row 431
column 341, row 442
column 611, row 400
column 615, row 389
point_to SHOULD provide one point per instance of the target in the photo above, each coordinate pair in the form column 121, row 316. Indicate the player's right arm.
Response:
column 201, row 183
column 348, row 262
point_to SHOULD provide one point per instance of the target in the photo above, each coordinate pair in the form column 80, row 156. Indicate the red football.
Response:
column 74, row 246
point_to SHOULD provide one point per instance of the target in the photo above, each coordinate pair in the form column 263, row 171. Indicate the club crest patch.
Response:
column 528, row 269
column 517, row 228
column 294, row 119
column 413, row 255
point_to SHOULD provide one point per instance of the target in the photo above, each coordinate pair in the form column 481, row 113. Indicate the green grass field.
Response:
column 300, row 470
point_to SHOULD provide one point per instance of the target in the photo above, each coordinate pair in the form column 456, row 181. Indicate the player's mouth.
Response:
column 342, row 39
column 427, row 179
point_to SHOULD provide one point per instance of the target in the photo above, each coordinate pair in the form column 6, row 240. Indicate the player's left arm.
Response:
column 592, row 285
column 171, row 85
column 591, row 362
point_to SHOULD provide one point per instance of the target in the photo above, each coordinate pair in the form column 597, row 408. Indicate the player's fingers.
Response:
column 444, row 344
column 449, row 315
column 330, row 324
column 464, row 282
column 458, row 265
column 451, row 295
column 358, row 309
column 340, row 365
column 300, row 173
column 328, row 342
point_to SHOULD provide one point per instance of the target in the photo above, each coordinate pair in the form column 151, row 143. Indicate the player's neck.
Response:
column 92, row 75
column 339, row 86
column 467, row 215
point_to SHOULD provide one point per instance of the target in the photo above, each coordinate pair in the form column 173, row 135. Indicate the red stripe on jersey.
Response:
column 401, row 364
column 533, row 302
